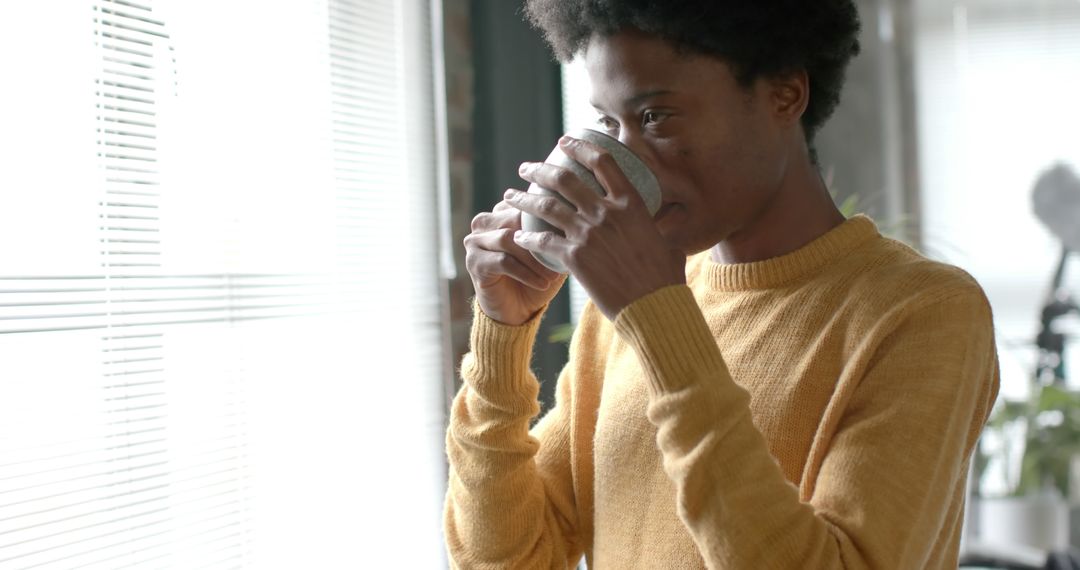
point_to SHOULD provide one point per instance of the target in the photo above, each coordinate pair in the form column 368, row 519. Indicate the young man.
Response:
column 757, row 382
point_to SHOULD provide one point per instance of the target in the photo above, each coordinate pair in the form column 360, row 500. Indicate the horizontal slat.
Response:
column 136, row 18
column 140, row 556
column 90, row 516
column 42, row 470
column 143, row 6
column 131, row 170
column 27, row 302
column 374, row 41
column 131, row 64
column 205, row 277
column 130, row 125
column 125, row 110
column 31, row 494
column 120, row 38
column 126, row 100
column 345, row 10
column 124, row 289
column 346, row 78
column 371, row 98
column 114, row 191
column 119, row 229
column 126, row 72
column 58, row 450
column 84, row 481
column 114, row 433
column 376, row 25
column 131, row 27
column 138, row 494
column 90, row 542
column 123, row 47
column 354, row 120
column 39, row 312
column 191, row 539
column 357, row 123
column 189, row 496
column 384, row 75
column 74, row 325
column 132, row 134
column 121, row 143
column 133, row 185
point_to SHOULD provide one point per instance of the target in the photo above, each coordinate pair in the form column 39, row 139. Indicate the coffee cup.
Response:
column 635, row 170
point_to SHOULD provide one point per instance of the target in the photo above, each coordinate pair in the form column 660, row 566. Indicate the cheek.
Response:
column 711, row 171
column 671, row 163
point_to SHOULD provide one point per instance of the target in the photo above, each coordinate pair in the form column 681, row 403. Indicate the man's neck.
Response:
column 801, row 212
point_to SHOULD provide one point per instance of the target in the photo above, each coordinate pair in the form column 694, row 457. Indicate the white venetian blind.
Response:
column 220, row 343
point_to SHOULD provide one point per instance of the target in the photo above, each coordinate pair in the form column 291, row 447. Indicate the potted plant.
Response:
column 1025, row 469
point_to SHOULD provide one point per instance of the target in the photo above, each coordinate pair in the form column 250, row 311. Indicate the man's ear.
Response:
column 790, row 95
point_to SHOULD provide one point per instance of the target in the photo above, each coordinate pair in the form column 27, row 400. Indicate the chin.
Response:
column 684, row 238
column 677, row 238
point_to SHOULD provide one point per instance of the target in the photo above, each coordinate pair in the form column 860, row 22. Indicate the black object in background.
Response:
column 518, row 117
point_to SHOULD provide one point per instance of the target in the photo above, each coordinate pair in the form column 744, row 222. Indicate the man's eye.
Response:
column 650, row 117
column 607, row 123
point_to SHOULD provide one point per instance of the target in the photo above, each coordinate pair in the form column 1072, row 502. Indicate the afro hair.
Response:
column 760, row 38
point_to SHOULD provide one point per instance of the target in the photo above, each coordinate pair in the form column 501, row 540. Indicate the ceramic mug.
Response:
column 639, row 175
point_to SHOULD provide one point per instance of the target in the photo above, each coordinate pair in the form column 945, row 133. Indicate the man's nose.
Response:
column 637, row 144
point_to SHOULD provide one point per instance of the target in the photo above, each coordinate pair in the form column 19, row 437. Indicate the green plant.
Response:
column 1033, row 441
column 849, row 207
column 561, row 333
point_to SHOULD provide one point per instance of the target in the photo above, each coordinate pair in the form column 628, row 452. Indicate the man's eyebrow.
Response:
column 637, row 98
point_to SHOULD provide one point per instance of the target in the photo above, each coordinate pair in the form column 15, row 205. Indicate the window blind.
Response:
column 220, row 342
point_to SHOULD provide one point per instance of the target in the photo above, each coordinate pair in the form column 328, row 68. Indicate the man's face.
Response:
column 717, row 148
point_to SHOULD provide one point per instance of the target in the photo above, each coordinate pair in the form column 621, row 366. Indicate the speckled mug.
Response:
column 639, row 175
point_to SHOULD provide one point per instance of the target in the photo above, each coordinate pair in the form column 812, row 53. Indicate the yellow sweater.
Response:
column 815, row 410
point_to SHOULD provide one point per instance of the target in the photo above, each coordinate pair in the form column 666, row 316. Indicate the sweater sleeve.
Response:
column 895, row 465
column 510, row 500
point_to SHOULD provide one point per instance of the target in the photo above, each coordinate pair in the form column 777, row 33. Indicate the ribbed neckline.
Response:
column 777, row 271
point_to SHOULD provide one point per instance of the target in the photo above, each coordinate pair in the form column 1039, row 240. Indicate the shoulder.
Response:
column 888, row 274
column 886, row 292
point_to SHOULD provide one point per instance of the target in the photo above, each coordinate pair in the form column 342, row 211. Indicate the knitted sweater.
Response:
column 815, row 410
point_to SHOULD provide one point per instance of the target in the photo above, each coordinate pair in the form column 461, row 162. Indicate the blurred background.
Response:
column 232, row 291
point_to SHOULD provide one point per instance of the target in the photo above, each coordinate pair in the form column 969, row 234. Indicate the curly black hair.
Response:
column 757, row 38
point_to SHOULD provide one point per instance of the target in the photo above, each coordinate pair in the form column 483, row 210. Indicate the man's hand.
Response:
column 511, row 285
column 611, row 244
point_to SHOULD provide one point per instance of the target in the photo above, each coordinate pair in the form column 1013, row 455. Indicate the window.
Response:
column 994, row 84
column 220, row 342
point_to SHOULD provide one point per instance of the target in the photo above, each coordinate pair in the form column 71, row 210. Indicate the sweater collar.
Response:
column 777, row 271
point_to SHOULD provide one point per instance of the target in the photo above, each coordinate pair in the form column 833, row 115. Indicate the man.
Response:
column 757, row 382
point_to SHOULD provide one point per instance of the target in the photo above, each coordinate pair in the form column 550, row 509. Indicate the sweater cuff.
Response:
column 671, row 338
column 500, row 354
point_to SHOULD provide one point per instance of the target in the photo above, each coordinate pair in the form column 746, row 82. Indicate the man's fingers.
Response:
column 502, row 216
column 502, row 241
column 495, row 264
column 603, row 166
column 562, row 180
column 548, row 208
column 513, row 267
column 542, row 242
